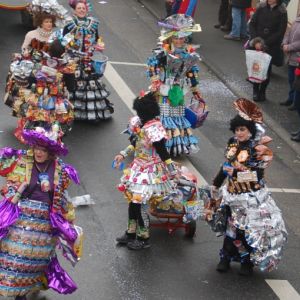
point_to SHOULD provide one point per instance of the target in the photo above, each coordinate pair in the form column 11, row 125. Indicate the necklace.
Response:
column 43, row 33
column 43, row 178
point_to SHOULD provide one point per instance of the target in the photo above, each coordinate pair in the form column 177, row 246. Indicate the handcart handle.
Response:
column 184, row 182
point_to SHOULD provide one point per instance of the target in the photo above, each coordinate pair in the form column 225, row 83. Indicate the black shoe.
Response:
column 295, row 133
column 223, row 266
column 246, row 269
column 225, row 28
column 138, row 244
column 125, row 238
column 217, row 26
column 20, row 298
column 292, row 108
column 286, row 103
column 296, row 138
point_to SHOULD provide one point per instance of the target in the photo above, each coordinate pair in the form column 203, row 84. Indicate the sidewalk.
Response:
column 227, row 60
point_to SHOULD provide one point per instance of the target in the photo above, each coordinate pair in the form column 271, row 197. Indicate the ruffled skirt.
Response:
column 181, row 139
column 257, row 214
column 26, row 250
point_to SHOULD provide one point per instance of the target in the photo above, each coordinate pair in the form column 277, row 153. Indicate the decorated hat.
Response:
column 178, row 25
column 248, row 110
column 50, row 139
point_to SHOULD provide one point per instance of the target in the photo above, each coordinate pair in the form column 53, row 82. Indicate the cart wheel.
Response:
column 190, row 229
column 26, row 19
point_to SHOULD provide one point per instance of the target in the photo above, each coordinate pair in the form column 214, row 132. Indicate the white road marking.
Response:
column 284, row 190
column 127, row 63
column 283, row 289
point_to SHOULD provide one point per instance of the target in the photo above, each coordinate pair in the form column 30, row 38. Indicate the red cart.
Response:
column 171, row 220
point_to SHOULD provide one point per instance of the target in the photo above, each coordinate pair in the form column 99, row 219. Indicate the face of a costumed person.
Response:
column 41, row 154
column 272, row 2
column 47, row 24
column 80, row 10
column 178, row 42
column 242, row 133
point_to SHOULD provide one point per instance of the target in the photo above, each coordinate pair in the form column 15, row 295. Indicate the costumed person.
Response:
column 35, row 216
column 40, row 86
column 90, row 95
column 173, row 72
column 149, row 176
column 252, row 224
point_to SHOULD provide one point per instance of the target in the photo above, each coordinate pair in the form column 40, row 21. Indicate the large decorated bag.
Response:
column 257, row 65
column 196, row 113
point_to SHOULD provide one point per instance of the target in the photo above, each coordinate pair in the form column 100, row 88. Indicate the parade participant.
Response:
column 35, row 216
column 173, row 72
column 253, row 226
column 90, row 97
column 42, row 98
column 149, row 176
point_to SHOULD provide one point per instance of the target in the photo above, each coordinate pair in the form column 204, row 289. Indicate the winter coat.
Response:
column 270, row 24
column 241, row 3
column 292, row 40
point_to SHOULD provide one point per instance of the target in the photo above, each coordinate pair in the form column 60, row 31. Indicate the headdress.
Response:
column 178, row 25
column 248, row 110
column 50, row 139
column 51, row 7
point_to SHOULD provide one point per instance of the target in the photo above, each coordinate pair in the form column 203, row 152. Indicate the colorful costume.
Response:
column 255, row 232
column 90, row 95
column 185, row 7
column 148, row 177
column 34, row 221
column 173, row 73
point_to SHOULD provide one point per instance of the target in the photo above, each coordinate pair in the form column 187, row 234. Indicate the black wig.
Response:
column 146, row 107
column 238, row 121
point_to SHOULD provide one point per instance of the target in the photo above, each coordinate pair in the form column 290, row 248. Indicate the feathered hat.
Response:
column 178, row 25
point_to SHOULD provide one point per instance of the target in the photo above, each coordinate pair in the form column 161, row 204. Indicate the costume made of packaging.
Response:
column 174, row 74
column 90, row 95
column 253, row 224
column 148, row 177
column 30, row 229
column 37, row 91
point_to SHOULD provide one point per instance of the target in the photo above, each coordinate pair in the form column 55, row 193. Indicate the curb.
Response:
column 268, row 120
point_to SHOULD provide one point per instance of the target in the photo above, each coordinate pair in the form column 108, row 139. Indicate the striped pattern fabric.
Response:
column 25, row 252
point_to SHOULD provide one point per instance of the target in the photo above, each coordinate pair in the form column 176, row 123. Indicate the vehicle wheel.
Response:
column 190, row 229
column 26, row 19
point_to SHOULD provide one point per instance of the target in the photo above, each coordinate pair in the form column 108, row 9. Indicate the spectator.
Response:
column 291, row 46
column 239, row 23
column 224, row 16
column 269, row 22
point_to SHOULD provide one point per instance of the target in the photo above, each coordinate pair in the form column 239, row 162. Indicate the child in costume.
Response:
column 253, row 228
column 149, row 176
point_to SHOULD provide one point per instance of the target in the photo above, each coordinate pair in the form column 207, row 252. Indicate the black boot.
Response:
column 20, row 298
column 296, row 138
column 223, row 266
column 125, row 238
column 295, row 133
column 138, row 244
column 246, row 269
column 255, row 92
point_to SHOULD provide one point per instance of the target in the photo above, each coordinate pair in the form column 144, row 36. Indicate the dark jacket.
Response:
column 241, row 3
column 270, row 24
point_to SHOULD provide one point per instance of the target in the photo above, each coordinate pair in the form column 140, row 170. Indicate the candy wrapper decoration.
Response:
column 63, row 227
column 9, row 213
column 154, row 131
column 72, row 172
column 58, row 279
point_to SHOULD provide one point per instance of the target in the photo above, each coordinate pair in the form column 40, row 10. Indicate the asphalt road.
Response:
column 174, row 267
